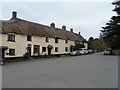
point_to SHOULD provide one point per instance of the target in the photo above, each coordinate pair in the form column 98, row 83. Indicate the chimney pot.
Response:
column 64, row 27
column 79, row 33
column 71, row 29
column 52, row 25
column 14, row 15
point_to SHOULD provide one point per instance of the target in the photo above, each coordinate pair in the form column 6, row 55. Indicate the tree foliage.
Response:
column 111, row 32
column 78, row 45
column 96, row 44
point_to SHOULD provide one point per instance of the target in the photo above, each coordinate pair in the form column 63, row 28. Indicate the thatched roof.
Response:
column 20, row 26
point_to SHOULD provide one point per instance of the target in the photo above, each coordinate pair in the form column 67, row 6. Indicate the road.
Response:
column 87, row 71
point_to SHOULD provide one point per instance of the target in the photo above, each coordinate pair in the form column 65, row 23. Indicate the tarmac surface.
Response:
column 86, row 71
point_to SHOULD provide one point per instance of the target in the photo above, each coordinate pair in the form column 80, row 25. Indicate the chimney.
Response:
column 64, row 27
column 79, row 33
column 14, row 15
column 71, row 29
column 52, row 25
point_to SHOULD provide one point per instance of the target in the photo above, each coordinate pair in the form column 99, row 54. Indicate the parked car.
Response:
column 107, row 52
column 83, row 51
column 90, row 51
column 75, row 53
column 2, row 61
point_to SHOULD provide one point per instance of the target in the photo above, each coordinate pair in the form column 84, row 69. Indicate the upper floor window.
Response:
column 47, row 39
column 56, row 40
column 11, row 38
column 29, row 38
column 66, row 41
column 11, row 51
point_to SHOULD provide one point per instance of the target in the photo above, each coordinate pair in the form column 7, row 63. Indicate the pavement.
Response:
column 86, row 71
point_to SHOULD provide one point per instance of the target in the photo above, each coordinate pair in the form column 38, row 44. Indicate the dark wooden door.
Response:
column 49, row 51
column 3, row 53
column 29, row 51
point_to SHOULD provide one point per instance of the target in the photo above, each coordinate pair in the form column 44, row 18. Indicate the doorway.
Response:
column 71, row 48
column 50, row 47
column 49, row 51
column 2, row 51
column 29, row 51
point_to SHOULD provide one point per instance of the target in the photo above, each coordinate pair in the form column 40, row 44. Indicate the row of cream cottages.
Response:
column 18, row 36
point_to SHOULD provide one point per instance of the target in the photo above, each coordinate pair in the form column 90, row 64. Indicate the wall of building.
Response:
column 86, row 45
column 21, row 43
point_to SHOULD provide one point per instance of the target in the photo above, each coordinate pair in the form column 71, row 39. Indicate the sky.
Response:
column 86, row 17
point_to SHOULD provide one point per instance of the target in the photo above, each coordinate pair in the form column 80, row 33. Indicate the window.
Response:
column 66, row 49
column 66, row 41
column 56, row 49
column 44, row 49
column 29, row 38
column 36, row 49
column 47, row 40
column 56, row 40
column 11, row 38
column 11, row 51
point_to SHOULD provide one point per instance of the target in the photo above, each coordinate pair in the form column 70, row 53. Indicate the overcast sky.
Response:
column 84, row 17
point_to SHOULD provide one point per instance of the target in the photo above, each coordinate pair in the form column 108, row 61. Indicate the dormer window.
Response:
column 29, row 38
column 56, row 40
column 47, row 39
column 66, row 41
column 11, row 38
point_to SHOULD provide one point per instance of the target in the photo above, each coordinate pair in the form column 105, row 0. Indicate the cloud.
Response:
column 56, row 1
column 88, row 18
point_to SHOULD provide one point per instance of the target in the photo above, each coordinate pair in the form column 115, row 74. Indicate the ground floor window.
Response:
column 11, row 51
column 44, row 49
column 36, row 49
column 66, row 49
column 56, row 49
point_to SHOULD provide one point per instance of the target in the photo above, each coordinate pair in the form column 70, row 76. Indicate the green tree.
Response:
column 96, row 44
column 78, row 45
column 111, row 32
column 91, row 39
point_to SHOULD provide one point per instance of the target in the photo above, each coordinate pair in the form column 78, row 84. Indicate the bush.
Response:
column 26, row 55
column 57, row 55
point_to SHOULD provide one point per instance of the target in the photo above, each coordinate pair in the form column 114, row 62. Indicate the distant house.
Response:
column 18, row 36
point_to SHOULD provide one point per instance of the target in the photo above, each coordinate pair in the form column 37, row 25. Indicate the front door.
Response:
column 3, row 53
column 29, row 51
column 49, row 51
column 71, row 49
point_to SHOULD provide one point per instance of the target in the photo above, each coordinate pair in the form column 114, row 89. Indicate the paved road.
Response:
column 89, row 71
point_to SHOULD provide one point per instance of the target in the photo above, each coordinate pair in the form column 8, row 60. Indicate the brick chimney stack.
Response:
column 64, row 27
column 14, row 15
column 52, row 25
column 71, row 29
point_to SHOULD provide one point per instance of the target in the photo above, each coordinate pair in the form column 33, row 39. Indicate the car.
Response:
column 75, row 53
column 83, row 51
column 90, row 51
column 107, row 52
column 2, row 61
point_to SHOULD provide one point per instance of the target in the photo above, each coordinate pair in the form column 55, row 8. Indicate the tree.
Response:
column 111, row 32
column 117, row 6
column 91, row 39
column 96, row 44
column 78, row 45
